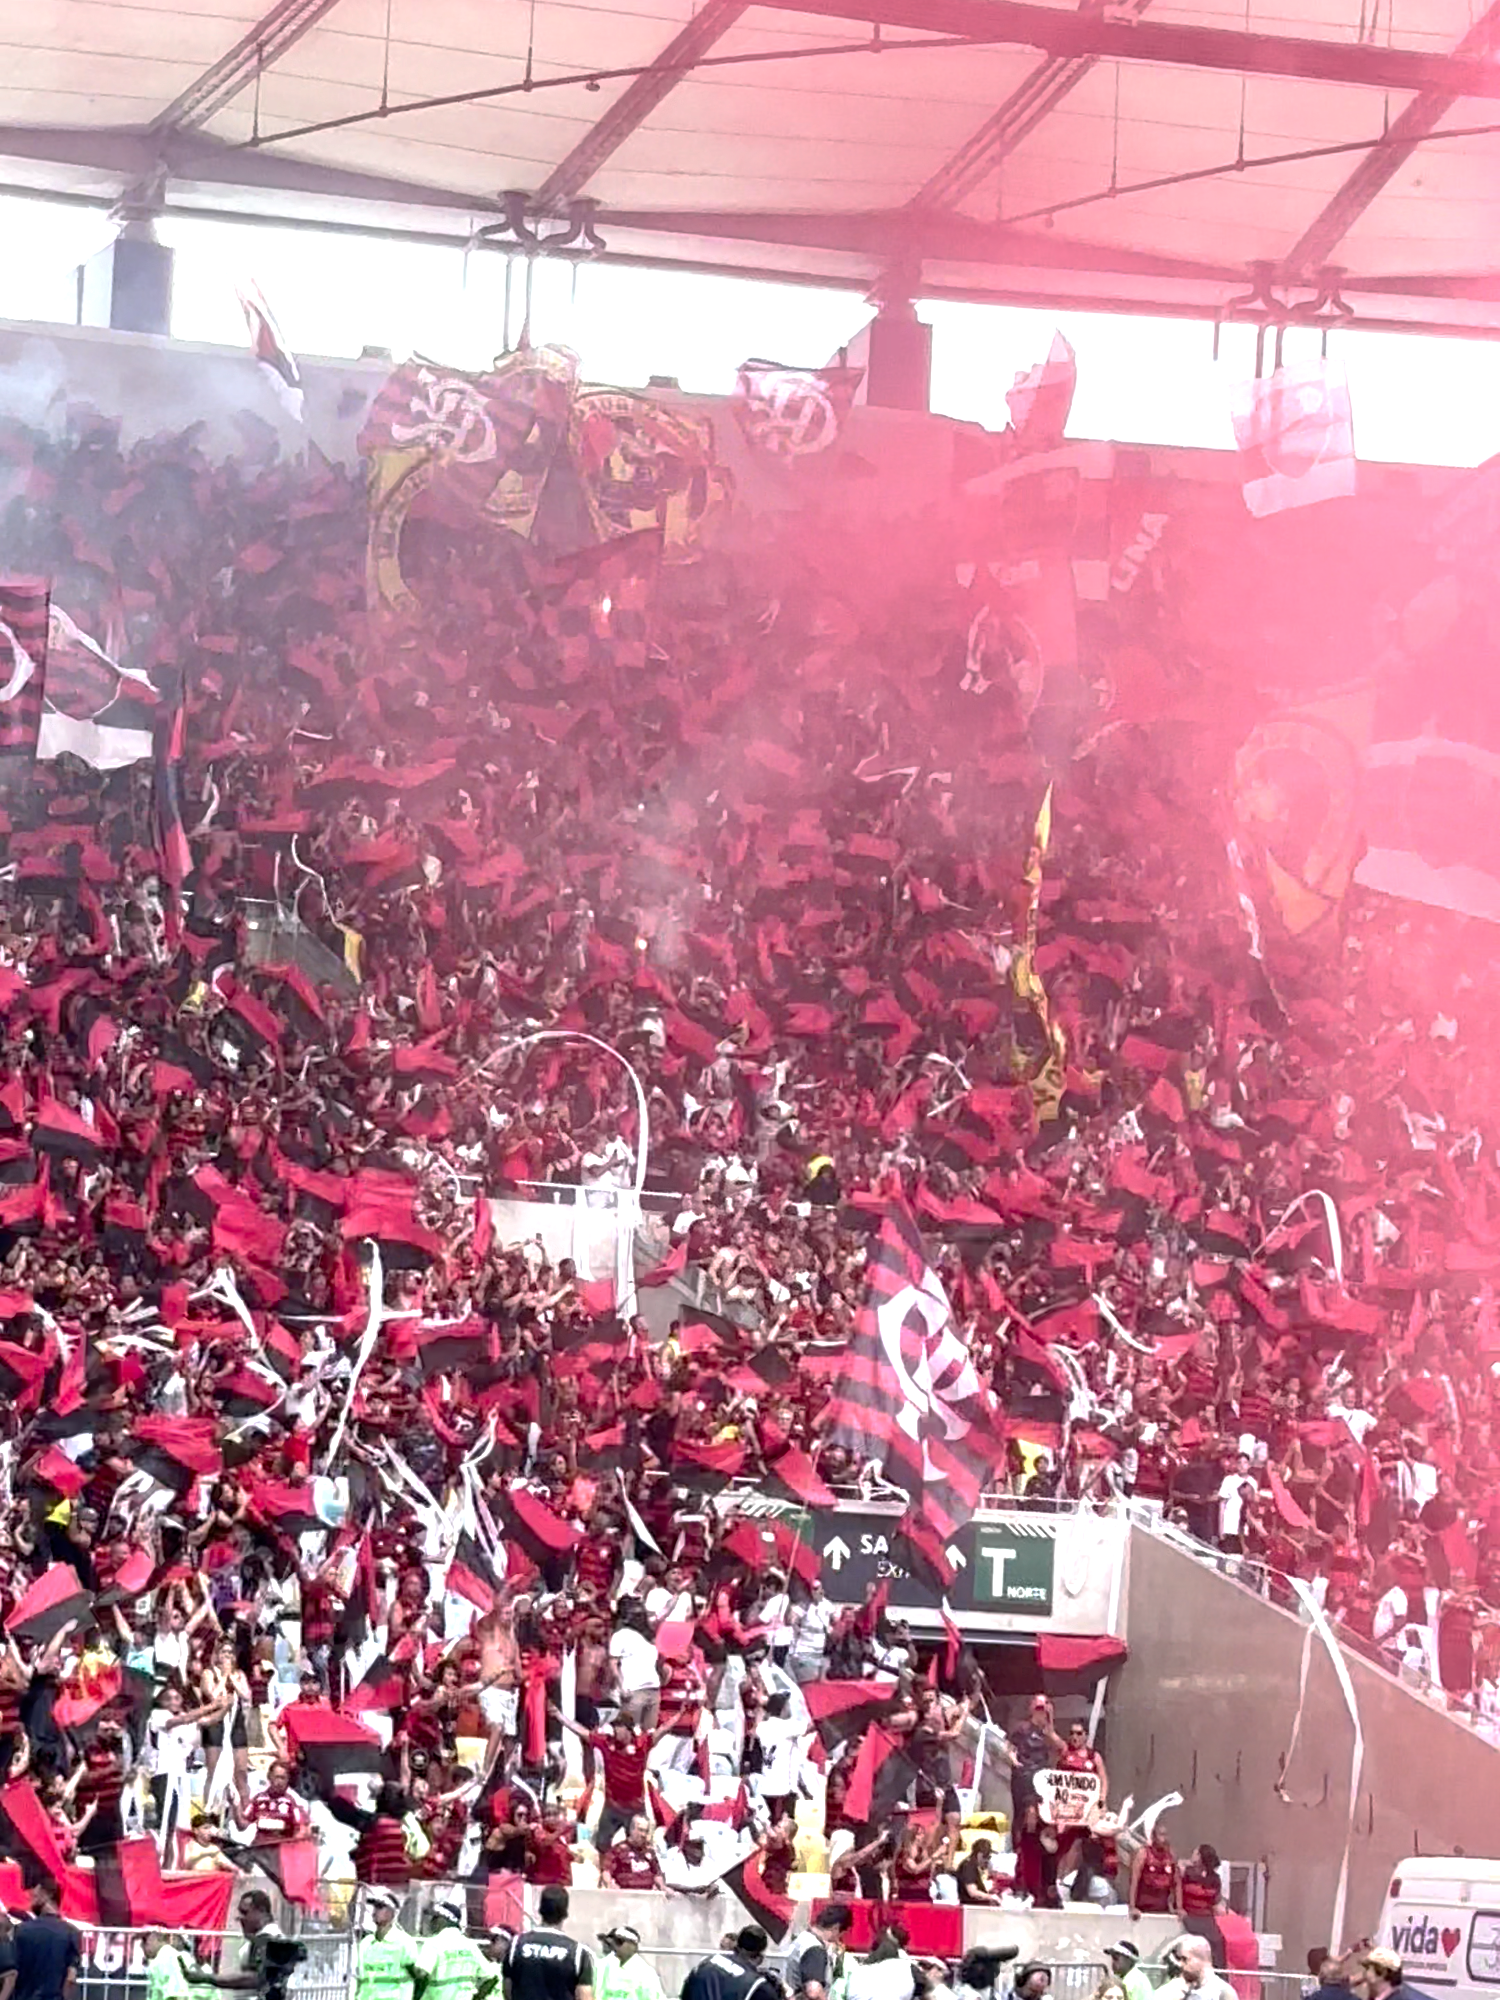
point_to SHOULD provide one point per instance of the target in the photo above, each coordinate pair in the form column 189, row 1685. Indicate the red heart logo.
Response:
column 1450, row 1942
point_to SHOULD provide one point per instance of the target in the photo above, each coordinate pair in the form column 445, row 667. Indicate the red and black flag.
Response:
column 405, row 1244
column 22, row 1374
column 67, row 1136
column 709, row 1468
column 56, row 1599
column 283, row 1350
column 179, row 1067
column 176, row 1450
column 542, row 1534
column 842, row 1709
column 292, row 1865
column 472, row 1576
column 299, row 1002
column 882, row 1781
column 908, row 1394
column 767, row 1544
column 24, row 612
column 252, row 1024
column 331, row 1745
column 289, row 1509
column 379, row 1689
column 591, row 1346
column 457, row 1348
column 93, row 1027
column 55, row 1469
column 247, row 1392
column 773, row 1912
column 30, row 1833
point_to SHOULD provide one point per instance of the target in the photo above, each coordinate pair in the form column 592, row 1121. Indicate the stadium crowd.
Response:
column 766, row 835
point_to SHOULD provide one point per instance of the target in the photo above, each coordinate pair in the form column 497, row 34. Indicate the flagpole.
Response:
column 626, row 1218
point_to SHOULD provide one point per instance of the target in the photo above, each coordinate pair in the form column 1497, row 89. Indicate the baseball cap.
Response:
column 450, row 1906
column 1384, row 1961
column 1125, row 1949
column 625, row 1931
column 382, row 1899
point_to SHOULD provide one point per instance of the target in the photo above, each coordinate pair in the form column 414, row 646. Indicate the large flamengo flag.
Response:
column 908, row 1393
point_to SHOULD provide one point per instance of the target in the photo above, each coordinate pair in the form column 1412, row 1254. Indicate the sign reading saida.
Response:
column 1000, row 1569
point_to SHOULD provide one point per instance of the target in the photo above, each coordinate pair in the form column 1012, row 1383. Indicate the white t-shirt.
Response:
column 891, row 1979
column 813, row 1623
column 1232, row 1502
column 635, row 1661
column 775, row 1612
column 778, row 1736
column 172, row 1651
column 172, row 1747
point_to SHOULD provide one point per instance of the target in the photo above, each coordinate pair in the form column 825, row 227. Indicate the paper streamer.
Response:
column 1331, row 1215
column 1140, row 1346
column 378, row 1315
column 1320, row 1628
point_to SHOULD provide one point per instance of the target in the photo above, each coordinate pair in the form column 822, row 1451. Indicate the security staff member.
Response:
column 385, row 1965
column 449, row 1963
column 546, row 1964
column 734, row 1975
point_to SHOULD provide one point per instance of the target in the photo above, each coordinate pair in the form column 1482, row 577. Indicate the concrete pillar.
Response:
column 128, row 284
column 895, row 349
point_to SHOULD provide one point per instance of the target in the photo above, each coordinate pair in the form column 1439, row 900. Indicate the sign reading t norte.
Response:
column 998, row 1569
column 1011, row 1570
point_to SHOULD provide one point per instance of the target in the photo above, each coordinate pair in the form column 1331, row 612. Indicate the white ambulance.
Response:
column 1442, row 1915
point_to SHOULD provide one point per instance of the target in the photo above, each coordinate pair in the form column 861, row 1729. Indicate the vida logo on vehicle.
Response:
column 1419, row 1938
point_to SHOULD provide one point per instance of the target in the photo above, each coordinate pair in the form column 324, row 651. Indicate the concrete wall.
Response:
column 1205, row 1705
column 890, row 464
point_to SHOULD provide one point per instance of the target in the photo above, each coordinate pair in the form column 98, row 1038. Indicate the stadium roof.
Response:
column 1168, row 155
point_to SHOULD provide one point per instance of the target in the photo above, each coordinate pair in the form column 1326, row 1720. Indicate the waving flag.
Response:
column 94, row 708
column 908, row 1394
column 271, row 351
column 794, row 412
column 1295, row 431
column 23, row 663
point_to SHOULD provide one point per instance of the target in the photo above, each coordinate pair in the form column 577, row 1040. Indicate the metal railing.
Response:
column 113, row 1965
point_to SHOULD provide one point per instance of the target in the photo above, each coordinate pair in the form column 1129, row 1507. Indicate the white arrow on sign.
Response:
column 957, row 1557
column 838, row 1552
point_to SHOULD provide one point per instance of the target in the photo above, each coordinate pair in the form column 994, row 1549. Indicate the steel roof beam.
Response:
column 256, row 50
column 196, row 159
column 1171, row 44
column 638, row 100
column 909, row 236
column 1386, row 158
column 1014, row 121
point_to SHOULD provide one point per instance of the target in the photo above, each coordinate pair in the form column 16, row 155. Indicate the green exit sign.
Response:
column 1013, row 1570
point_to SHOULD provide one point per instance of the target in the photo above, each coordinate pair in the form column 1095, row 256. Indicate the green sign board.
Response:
column 1012, row 1570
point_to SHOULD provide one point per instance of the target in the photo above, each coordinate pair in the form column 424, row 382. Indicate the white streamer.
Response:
column 1335, row 1652
column 1331, row 1214
column 1118, row 1325
column 378, row 1315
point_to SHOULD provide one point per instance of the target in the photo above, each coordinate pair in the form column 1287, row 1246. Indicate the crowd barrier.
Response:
column 114, row 1963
